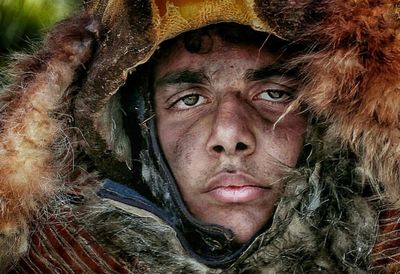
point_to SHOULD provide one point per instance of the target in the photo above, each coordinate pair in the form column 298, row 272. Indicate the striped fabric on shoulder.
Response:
column 67, row 248
column 385, row 256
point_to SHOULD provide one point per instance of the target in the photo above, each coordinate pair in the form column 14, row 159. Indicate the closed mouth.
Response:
column 236, row 187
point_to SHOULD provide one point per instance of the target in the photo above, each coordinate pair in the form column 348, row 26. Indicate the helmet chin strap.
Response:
column 212, row 245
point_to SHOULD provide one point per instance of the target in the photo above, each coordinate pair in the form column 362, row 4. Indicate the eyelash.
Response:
column 181, row 98
column 288, row 95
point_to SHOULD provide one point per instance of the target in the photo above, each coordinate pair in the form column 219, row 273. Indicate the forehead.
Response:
column 215, row 53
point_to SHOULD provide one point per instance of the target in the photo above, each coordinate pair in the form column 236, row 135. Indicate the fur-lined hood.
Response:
column 349, row 71
column 58, row 121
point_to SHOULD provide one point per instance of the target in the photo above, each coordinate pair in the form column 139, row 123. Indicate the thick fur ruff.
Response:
column 32, row 133
column 353, row 81
column 138, row 237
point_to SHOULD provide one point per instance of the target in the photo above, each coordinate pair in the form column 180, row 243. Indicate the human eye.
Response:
column 189, row 101
column 274, row 93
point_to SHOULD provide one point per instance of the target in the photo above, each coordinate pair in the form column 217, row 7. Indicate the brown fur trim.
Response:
column 130, row 37
column 29, row 129
column 353, row 81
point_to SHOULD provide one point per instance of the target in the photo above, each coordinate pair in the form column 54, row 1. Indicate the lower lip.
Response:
column 237, row 194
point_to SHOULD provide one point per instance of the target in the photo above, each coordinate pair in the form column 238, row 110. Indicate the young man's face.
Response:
column 216, row 122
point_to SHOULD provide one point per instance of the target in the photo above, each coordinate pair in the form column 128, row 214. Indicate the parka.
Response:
column 81, row 192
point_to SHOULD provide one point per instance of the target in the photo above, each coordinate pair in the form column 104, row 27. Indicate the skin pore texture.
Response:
column 216, row 122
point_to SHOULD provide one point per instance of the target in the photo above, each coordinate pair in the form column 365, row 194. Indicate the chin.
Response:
column 244, row 223
column 244, row 232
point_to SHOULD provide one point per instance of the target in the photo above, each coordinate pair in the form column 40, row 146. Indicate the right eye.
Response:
column 189, row 101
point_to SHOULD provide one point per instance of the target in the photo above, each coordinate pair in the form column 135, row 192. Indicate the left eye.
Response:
column 274, row 95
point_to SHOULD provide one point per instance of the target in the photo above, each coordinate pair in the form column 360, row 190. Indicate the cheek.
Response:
column 180, row 144
column 172, row 143
column 187, row 165
column 286, row 140
column 183, row 150
column 181, row 137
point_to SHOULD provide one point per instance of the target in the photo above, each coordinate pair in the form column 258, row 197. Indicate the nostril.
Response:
column 218, row 149
column 241, row 146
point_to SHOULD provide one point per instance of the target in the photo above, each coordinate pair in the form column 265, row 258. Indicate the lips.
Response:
column 235, row 188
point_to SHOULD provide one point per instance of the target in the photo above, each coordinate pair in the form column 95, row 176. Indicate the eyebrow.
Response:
column 269, row 71
column 182, row 77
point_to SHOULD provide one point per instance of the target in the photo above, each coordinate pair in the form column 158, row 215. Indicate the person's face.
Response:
column 217, row 124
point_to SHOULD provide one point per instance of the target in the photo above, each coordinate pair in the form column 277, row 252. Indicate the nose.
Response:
column 231, row 132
